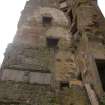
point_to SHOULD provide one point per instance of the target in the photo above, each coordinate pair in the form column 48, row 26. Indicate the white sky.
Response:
column 9, row 15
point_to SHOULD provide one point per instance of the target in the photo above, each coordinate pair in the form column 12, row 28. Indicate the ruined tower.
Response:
column 57, row 56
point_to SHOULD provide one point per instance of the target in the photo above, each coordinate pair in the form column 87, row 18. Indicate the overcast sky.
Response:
column 9, row 15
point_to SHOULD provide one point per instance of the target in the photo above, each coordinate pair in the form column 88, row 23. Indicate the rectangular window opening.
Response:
column 47, row 20
column 64, row 84
column 52, row 42
column 100, row 63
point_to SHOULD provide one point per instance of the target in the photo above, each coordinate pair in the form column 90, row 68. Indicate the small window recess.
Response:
column 64, row 85
column 46, row 20
column 80, row 77
column 52, row 42
column 70, row 14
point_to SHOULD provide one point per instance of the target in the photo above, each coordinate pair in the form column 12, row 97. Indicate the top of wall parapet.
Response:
column 31, row 6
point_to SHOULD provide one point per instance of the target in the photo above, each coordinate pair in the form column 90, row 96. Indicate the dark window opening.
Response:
column 80, row 77
column 70, row 14
column 64, row 84
column 52, row 42
column 101, row 70
column 47, row 20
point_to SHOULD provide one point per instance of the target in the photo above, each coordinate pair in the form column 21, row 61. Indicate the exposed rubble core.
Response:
column 57, row 56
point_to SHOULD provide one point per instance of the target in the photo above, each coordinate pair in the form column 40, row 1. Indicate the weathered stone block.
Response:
column 40, row 78
column 12, row 75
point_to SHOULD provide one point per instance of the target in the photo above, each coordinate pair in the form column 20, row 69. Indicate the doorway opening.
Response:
column 101, row 70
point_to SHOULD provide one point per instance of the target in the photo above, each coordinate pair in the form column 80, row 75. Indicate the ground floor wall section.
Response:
column 12, row 93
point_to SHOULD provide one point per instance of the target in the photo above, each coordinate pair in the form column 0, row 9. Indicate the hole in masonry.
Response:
column 80, row 77
column 52, row 42
column 47, row 20
column 70, row 14
column 64, row 84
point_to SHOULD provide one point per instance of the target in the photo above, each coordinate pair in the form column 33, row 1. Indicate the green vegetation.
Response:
column 102, row 101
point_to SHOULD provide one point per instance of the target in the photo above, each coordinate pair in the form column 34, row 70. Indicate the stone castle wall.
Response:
column 53, row 54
